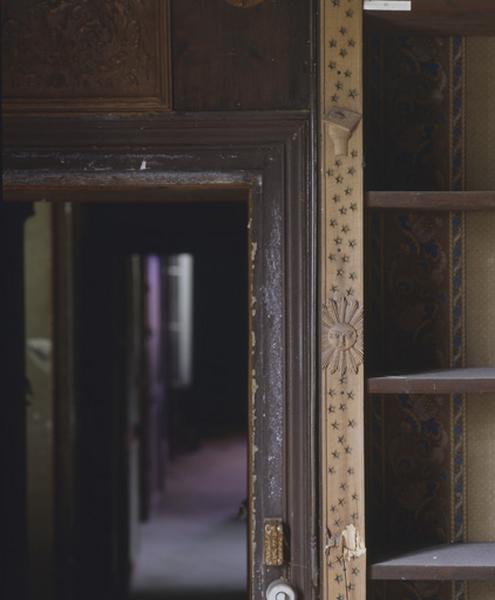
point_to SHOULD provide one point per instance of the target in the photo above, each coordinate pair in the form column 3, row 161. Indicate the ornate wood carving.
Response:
column 342, row 342
column 344, row 572
column 67, row 55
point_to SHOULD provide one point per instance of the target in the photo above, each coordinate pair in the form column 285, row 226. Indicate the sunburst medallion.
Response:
column 342, row 335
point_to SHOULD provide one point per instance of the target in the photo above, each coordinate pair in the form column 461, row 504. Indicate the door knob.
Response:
column 280, row 590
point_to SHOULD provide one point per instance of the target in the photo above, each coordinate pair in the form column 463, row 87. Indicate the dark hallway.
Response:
column 195, row 545
column 179, row 311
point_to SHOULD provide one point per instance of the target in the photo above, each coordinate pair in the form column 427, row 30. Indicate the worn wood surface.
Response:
column 342, row 274
column 431, row 200
column 229, row 58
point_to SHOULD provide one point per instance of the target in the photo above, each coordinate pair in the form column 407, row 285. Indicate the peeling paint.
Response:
column 254, row 386
column 254, row 250
column 351, row 543
column 273, row 404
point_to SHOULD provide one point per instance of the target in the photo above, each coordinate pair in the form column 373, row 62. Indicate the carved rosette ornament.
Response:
column 342, row 270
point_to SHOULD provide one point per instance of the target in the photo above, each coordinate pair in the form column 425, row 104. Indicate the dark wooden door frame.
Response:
column 166, row 157
column 13, row 450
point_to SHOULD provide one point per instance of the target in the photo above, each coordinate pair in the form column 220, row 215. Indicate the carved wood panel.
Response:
column 344, row 569
column 90, row 55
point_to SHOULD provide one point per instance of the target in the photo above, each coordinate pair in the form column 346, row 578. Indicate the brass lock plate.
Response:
column 273, row 543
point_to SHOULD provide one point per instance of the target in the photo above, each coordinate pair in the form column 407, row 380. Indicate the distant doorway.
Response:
column 177, row 295
column 195, row 545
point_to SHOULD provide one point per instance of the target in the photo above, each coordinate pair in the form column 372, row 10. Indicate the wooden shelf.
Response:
column 474, row 562
column 451, row 381
column 467, row 17
column 432, row 200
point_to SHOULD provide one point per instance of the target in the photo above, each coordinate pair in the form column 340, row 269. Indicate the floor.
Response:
column 195, row 548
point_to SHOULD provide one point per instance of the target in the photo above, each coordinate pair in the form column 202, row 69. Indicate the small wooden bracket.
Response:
column 341, row 122
column 273, row 539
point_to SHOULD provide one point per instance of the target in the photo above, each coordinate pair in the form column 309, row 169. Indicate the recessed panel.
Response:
column 67, row 55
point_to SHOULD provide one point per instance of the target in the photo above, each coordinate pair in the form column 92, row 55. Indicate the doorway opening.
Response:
column 160, row 357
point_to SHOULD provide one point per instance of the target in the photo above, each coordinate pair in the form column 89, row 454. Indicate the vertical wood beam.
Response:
column 342, row 283
column 13, row 458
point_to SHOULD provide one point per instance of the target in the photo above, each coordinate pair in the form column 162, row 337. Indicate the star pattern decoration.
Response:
column 343, row 241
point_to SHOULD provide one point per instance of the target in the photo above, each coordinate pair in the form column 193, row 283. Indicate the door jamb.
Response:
column 268, row 155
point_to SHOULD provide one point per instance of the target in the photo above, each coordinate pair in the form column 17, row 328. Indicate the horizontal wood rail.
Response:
column 475, row 562
column 449, row 381
column 432, row 200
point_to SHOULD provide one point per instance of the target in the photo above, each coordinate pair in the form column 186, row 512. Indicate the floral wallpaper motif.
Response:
column 416, row 281
column 418, row 463
column 416, row 109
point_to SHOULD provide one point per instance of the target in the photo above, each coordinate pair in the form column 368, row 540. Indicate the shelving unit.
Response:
column 411, row 409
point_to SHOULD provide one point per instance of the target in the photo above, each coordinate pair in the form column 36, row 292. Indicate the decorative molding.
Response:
column 341, row 123
column 342, row 274
column 59, row 56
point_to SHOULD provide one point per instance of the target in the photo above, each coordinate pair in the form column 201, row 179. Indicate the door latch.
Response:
column 273, row 543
